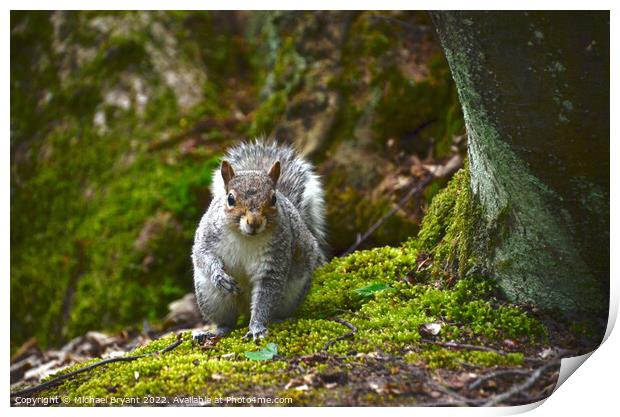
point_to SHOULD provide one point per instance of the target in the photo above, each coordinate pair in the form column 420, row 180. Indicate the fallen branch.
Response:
column 343, row 336
column 518, row 388
column 415, row 189
column 53, row 382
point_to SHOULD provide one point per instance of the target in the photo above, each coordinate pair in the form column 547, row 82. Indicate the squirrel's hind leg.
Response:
column 295, row 293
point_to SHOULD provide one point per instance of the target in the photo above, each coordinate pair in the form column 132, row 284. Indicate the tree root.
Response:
column 518, row 388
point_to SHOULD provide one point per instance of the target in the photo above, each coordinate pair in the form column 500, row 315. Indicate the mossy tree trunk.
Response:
column 534, row 87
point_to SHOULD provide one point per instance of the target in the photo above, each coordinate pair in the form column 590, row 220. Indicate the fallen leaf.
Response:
column 265, row 354
column 429, row 329
column 369, row 290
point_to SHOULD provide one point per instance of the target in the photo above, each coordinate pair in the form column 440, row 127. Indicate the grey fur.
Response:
column 269, row 273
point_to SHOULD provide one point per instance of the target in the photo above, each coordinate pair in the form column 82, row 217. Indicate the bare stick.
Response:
column 343, row 336
column 518, row 388
column 53, row 382
column 413, row 191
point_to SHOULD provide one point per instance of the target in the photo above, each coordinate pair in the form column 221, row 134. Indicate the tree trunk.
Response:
column 534, row 87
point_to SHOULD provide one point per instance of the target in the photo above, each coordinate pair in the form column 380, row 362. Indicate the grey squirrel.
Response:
column 262, row 237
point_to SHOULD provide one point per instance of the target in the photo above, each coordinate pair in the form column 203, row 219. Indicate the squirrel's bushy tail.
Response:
column 298, row 181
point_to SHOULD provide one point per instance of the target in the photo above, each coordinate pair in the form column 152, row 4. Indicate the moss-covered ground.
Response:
column 388, row 294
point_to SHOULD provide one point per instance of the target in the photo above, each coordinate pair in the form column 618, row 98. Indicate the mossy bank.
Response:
column 388, row 294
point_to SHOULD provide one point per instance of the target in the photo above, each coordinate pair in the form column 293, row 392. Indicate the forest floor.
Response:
column 373, row 377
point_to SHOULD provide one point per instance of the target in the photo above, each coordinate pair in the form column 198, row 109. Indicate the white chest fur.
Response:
column 243, row 256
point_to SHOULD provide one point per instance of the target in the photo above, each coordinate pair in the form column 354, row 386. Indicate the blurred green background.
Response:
column 119, row 118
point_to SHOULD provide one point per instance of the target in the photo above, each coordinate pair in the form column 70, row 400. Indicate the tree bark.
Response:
column 534, row 87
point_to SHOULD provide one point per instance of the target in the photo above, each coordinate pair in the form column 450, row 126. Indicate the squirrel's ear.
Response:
column 227, row 173
column 274, row 172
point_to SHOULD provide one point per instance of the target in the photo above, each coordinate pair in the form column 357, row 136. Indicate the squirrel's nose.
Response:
column 253, row 220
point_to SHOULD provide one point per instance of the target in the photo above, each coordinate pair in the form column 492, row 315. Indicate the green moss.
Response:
column 447, row 228
column 444, row 358
column 100, row 225
column 282, row 80
column 119, row 242
column 144, row 223
column 187, row 371
column 387, row 321
column 268, row 114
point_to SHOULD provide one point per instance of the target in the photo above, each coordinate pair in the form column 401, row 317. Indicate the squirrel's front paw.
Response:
column 225, row 282
column 256, row 332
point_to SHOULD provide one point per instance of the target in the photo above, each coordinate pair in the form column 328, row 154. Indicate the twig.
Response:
column 463, row 346
column 496, row 374
column 413, row 133
column 53, row 382
column 413, row 191
column 517, row 388
column 343, row 336
column 171, row 345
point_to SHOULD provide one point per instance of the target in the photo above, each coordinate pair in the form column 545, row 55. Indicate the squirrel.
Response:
column 260, row 240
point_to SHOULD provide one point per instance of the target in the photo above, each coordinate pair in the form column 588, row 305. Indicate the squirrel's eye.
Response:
column 231, row 200
column 273, row 199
